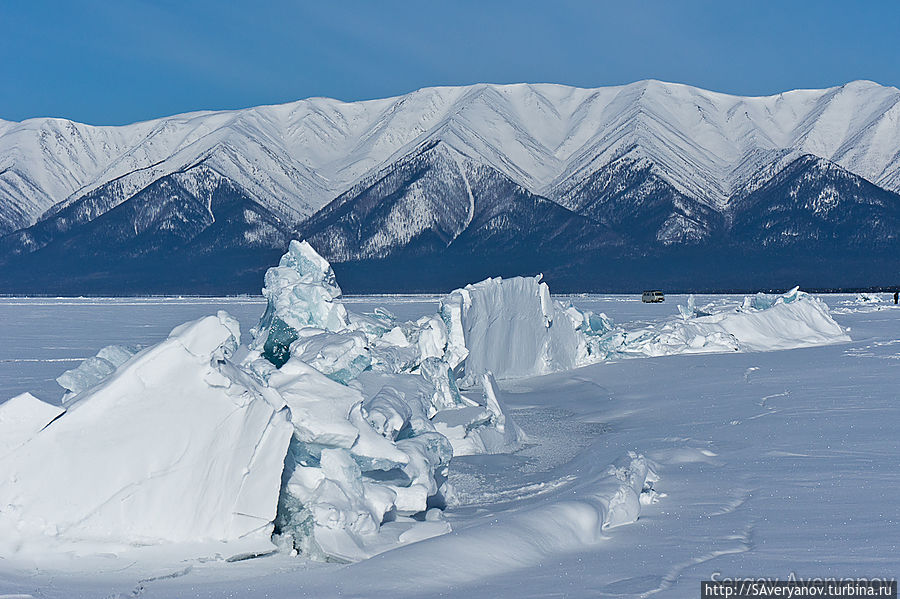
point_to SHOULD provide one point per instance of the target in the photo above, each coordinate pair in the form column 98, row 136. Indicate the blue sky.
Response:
column 112, row 62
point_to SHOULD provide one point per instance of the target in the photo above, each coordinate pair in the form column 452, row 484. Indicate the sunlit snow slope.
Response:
column 656, row 164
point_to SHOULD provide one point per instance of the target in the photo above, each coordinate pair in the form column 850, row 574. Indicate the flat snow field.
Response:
column 770, row 464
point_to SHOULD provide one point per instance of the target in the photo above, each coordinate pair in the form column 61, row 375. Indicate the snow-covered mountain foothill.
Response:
column 327, row 435
column 518, row 173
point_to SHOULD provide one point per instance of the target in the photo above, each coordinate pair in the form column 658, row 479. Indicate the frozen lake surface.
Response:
column 771, row 463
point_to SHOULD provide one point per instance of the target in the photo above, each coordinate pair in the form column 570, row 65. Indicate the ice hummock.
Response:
column 761, row 322
column 301, row 292
column 509, row 327
column 209, row 450
column 365, row 453
column 306, row 320
column 173, row 447
column 333, row 434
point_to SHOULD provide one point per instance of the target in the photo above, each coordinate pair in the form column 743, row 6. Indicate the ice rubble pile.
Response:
column 867, row 298
column 331, row 432
column 514, row 328
column 394, row 392
column 865, row 303
column 761, row 323
column 376, row 410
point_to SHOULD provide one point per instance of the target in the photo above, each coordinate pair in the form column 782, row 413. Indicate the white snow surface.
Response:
column 296, row 157
column 21, row 418
column 765, row 464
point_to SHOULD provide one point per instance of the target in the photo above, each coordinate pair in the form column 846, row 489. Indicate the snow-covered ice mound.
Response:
column 176, row 445
column 761, row 323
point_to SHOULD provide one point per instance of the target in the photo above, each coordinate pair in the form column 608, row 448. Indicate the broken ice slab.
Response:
column 511, row 327
column 446, row 394
column 764, row 301
column 156, row 454
column 480, row 429
column 312, row 268
column 691, row 310
column 339, row 356
column 387, row 412
column 94, row 370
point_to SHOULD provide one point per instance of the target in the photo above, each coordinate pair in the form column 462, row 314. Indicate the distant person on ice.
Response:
column 896, row 293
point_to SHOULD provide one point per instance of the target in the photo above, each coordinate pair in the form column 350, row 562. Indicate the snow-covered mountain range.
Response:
column 519, row 170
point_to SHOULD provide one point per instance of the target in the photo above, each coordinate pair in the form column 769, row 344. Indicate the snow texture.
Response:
column 21, row 418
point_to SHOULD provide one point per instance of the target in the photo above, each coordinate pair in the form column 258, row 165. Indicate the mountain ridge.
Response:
column 539, row 170
column 540, row 134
